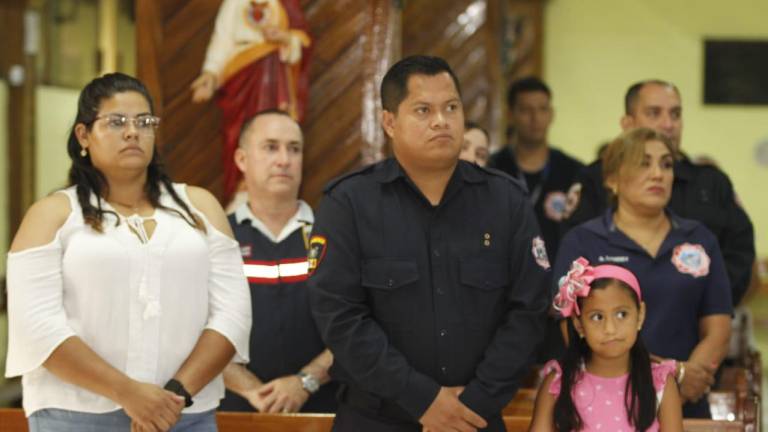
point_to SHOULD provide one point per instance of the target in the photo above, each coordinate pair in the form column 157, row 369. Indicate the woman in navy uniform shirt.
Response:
column 677, row 261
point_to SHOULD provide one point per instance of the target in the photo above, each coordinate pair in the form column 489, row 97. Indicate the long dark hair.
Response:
column 89, row 180
column 640, row 395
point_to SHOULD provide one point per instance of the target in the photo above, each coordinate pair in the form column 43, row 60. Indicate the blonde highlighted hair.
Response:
column 627, row 152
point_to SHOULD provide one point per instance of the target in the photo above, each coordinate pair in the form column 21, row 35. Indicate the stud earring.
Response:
column 83, row 152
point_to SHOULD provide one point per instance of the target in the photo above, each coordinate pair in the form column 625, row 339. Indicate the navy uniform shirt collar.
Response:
column 391, row 170
column 606, row 228
column 608, row 225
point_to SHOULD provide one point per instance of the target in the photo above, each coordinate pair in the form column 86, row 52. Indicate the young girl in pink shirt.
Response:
column 606, row 381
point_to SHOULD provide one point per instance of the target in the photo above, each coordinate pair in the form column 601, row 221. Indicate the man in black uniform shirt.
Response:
column 546, row 171
column 428, row 273
column 289, row 364
column 699, row 192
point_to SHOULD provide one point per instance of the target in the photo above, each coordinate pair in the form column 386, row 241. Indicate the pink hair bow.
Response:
column 573, row 285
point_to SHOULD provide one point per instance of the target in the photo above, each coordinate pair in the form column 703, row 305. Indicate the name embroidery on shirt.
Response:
column 613, row 259
column 539, row 251
column 691, row 259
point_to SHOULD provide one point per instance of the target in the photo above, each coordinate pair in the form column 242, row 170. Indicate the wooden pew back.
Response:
column 13, row 420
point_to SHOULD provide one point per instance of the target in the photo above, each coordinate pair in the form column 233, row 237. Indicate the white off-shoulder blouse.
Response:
column 140, row 305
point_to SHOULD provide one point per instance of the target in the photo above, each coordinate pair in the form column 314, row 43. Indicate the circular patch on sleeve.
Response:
column 316, row 252
column 572, row 200
column 555, row 205
column 691, row 259
column 539, row 251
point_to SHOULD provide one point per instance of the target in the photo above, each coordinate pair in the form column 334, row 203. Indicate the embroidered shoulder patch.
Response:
column 316, row 252
column 555, row 205
column 691, row 259
column 539, row 251
column 572, row 200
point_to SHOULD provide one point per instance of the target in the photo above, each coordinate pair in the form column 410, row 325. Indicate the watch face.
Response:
column 310, row 383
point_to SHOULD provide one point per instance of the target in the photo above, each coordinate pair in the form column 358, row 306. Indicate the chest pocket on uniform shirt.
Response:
column 483, row 279
column 391, row 285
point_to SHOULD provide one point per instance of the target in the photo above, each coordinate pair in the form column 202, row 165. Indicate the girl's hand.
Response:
column 150, row 407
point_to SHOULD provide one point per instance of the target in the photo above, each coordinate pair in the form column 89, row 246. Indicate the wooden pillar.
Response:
column 17, row 67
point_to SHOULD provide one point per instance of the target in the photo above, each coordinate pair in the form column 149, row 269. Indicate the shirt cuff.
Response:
column 419, row 393
column 479, row 401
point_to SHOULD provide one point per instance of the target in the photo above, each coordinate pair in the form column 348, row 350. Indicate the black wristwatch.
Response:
column 178, row 388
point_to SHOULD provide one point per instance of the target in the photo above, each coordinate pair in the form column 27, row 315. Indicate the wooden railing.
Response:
column 13, row 420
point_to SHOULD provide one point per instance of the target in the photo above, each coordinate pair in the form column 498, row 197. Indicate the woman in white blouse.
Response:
column 126, row 296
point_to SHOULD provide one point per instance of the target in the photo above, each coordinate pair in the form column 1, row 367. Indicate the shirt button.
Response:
column 443, row 332
column 444, row 369
column 436, row 253
column 391, row 283
column 439, row 291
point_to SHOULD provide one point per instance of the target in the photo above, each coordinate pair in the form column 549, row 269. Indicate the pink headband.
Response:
column 579, row 279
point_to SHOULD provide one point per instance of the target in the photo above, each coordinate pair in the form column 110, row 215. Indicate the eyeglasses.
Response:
column 145, row 123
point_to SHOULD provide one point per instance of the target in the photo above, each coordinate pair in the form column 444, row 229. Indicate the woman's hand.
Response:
column 696, row 381
column 150, row 407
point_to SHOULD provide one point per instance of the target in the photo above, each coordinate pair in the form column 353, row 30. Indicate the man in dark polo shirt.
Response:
column 699, row 192
column 289, row 364
column 546, row 171
column 429, row 274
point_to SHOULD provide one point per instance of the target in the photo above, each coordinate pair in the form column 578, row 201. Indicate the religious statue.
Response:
column 257, row 59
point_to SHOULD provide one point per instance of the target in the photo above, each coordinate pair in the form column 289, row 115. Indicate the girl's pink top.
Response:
column 600, row 401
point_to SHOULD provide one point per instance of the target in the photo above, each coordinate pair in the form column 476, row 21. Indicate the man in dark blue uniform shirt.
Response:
column 702, row 193
column 289, row 364
column 430, row 277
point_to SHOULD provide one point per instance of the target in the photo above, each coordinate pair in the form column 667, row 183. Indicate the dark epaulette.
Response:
column 498, row 173
column 335, row 182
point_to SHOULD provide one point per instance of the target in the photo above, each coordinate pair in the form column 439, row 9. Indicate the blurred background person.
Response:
column 477, row 145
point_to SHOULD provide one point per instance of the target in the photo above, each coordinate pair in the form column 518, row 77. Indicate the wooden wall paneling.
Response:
column 459, row 31
column 354, row 43
column 382, row 47
column 172, row 39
